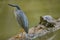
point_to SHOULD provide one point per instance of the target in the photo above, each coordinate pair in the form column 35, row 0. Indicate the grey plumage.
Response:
column 21, row 18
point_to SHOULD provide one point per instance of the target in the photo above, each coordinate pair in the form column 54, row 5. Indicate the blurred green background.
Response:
column 33, row 9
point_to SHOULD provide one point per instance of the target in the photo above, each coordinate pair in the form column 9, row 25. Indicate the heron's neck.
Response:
column 18, row 7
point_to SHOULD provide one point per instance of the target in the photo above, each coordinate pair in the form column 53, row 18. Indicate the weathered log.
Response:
column 37, row 31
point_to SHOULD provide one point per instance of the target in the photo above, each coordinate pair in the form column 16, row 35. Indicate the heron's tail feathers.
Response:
column 26, row 36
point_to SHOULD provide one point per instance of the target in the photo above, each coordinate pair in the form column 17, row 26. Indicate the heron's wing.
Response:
column 20, row 21
column 23, row 21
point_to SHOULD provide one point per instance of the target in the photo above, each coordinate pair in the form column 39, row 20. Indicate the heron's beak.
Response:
column 12, row 5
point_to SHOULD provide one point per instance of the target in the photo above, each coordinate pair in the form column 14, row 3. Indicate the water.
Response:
column 33, row 9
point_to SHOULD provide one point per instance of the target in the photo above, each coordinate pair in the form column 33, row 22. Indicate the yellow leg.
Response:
column 22, row 30
column 21, row 35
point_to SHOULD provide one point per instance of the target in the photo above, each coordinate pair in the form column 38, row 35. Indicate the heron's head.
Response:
column 14, row 5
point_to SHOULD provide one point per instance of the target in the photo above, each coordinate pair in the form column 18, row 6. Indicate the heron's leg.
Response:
column 22, row 33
